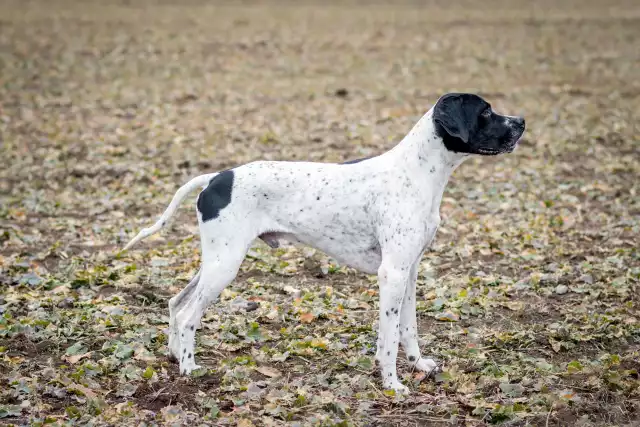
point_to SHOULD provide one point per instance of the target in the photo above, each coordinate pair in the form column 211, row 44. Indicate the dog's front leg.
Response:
column 409, row 326
column 393, row 280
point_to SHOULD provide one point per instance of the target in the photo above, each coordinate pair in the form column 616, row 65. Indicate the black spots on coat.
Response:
column 189, row 356
column 184, row 350
column 387, row 312
column 390, row 374
column 412, row 358
column 388, row 353
column 395, row 310
column 318, row 198
column 192, row 327
column 433, row 169
column 341, row 92
column 351, row 162
column 216, row 196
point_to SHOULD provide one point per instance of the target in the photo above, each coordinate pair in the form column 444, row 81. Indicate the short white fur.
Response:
column 378, row 216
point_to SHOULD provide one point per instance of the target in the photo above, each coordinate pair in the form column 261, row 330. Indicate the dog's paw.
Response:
column 187, row 369
column 397, row 387
column 426, row 365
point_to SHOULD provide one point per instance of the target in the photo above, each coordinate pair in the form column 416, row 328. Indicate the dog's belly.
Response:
column 365, row 258
column 367, row 261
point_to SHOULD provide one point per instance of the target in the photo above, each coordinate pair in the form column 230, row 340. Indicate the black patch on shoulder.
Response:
column 216, row 196
column 350, row 162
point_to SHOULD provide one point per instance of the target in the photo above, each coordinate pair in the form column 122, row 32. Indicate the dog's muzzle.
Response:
column 517, row 130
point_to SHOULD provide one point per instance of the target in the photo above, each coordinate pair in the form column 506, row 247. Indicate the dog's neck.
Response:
column 422, row 147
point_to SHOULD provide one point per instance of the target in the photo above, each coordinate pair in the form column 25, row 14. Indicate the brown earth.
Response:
column 529, row 297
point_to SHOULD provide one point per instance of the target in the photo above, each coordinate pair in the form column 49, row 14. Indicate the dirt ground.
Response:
column 529, row 297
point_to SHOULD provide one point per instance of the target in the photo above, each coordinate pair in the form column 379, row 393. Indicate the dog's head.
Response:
column 467, row 124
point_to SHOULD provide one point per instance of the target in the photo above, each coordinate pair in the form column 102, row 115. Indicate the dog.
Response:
column 377, row 215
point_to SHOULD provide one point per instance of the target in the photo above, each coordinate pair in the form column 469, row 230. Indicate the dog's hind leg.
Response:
column 409, row 326
column 175, row 304
column 221, row 260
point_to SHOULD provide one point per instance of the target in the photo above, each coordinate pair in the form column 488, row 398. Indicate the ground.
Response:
column 529, row 297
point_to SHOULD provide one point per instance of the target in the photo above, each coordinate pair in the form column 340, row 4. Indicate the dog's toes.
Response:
column 426, row 365
column 398, row 387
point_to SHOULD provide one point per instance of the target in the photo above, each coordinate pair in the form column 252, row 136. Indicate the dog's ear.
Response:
column 451, row 114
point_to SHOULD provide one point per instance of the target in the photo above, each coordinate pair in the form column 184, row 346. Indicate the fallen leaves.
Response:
column 447, row 316
column 85, row 391
column 269, row 371
column 73, row 359
column 527, row 295
column 307, row 317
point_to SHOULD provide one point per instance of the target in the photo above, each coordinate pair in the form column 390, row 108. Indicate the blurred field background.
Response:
column 529, row 296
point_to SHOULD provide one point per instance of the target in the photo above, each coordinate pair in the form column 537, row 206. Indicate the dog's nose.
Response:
column 519, row 121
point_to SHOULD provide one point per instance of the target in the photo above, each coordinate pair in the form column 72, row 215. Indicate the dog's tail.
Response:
column 199, row 181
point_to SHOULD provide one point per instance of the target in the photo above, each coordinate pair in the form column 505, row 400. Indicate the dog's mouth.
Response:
column 489, row 151
column 493, row 152
column 507, row 148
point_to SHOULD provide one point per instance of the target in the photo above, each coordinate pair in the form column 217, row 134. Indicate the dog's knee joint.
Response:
column 392, row 275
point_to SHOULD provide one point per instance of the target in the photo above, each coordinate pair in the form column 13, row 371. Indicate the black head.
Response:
column 467, row 124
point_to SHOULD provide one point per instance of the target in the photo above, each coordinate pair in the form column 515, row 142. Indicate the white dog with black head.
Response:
column 377, row 215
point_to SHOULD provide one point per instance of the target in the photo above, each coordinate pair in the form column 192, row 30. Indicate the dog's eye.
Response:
column 486, row 113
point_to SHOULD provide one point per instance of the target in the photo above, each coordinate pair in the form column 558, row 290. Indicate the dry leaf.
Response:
column 307, row 317
column 86, row 391
column 269, row 371
column 76, row 357
column 448, row 316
